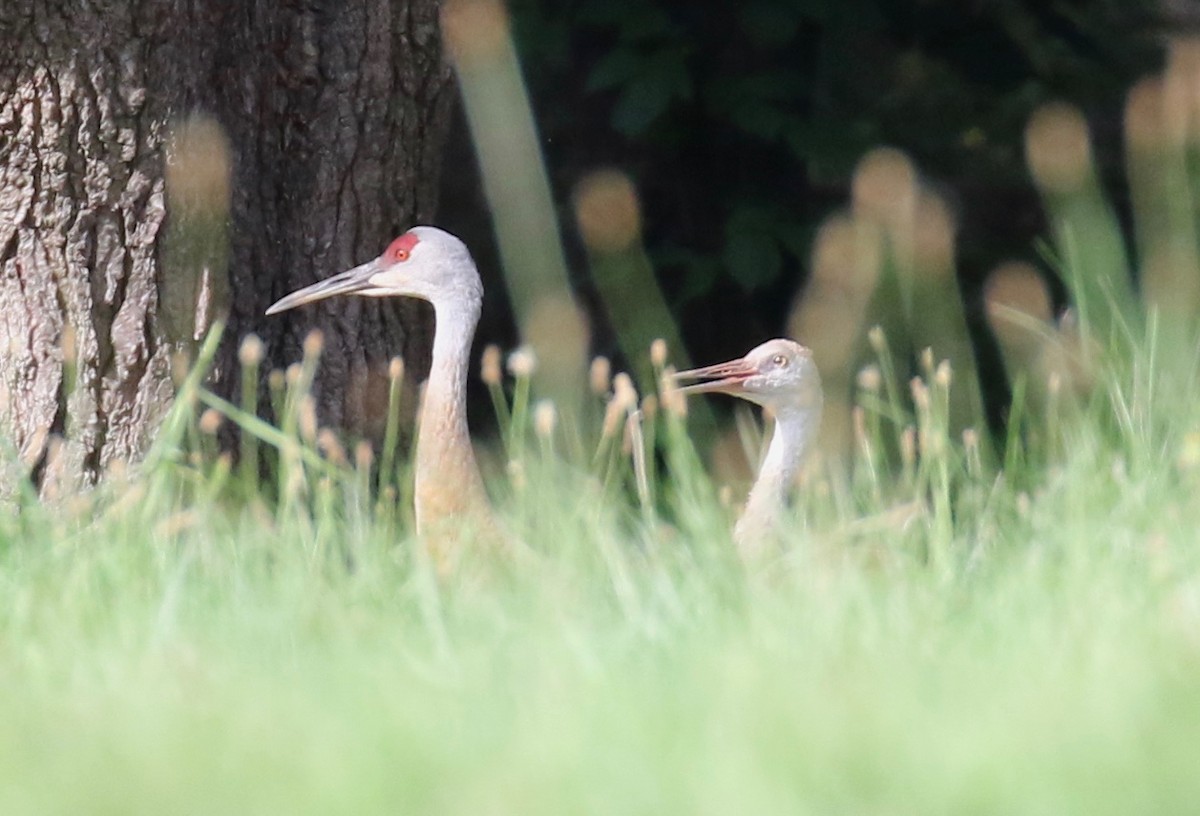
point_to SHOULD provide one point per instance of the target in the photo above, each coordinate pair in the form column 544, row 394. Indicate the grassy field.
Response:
column 935, row 638
column 955, row 625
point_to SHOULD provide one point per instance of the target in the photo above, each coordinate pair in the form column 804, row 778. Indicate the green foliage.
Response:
column 769, row 104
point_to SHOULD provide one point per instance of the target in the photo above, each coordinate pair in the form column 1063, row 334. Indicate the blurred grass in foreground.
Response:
column 935, row 636
column 942, row 633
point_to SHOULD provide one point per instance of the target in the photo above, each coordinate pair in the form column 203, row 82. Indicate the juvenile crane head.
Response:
column 779, row 374
column 425, row 262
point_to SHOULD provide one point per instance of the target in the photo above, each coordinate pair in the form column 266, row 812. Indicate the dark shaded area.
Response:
column 742, row 123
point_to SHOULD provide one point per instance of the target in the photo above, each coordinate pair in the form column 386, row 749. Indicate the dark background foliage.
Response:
column 741, row 124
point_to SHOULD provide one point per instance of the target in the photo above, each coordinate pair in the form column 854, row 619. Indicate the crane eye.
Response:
column 400, row 250
column 780, row 361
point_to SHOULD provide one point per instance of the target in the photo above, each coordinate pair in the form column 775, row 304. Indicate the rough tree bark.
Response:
column 334, row 112
column 339, row 112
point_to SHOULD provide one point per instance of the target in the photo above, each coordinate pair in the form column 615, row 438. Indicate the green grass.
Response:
column 1024, row 643
column 940, row 633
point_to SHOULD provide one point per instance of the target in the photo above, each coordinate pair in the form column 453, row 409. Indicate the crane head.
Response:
column 779, row 374
column 425, row 262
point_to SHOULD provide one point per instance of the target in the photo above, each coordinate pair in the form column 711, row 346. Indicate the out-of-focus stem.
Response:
column 514, row 178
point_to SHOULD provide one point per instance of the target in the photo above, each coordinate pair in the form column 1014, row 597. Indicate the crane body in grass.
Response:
column 432, row 265
column 780, row 376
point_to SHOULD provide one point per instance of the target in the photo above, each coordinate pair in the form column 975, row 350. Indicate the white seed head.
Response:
column 314, row 344
column 1058, row 147
column 877, row 339
column 624, row 394
column 489, row 365
column 545, row 418
column 614, row 416
column 396, row 369
column 307, row 416
column 927, row 359
column 522, row 363
column 607, row 211
column 944, row 374
column 251, row 351
column 920, row 393
column 674, row 402
column 600, row 375
column 658, row 352
column 210, row 421
column 516, row 474
column 363, row 455
column 329, row 444
column 475, row 32
column 870, row 379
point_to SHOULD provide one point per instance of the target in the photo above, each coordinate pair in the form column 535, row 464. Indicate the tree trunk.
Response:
column 338, row 118
column 333, row 116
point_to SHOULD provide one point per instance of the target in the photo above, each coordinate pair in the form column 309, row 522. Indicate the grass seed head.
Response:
column 545, row 418
column 329, row 444
column 475, row 31
column 920, row 394
column 363, row 455
column 674, row 402
column 884, row 189
column 877, row 339
column 943, row 375
column 522, row 363
column 658, row 352
column 607, row 211
column 600, row 375
column 489, row 365
column 624, row 392
column 307, row 410
column 1058, row 148
column 251, row 351
column 870, row 379
column 314, row 344
column 210, row 421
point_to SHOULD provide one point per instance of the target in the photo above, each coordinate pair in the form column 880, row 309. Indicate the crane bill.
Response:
column 356, row 281
column 725, row 378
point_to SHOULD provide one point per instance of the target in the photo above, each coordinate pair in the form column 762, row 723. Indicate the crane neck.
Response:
column 795, row 428
column 447, row 479
column 454, row 330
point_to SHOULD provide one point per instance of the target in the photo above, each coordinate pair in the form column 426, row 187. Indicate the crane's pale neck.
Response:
column 454, row 329
column 795, row 428
column 447, row 480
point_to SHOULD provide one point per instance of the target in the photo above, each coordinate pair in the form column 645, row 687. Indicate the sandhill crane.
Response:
column 433, row 265
column 779, row 375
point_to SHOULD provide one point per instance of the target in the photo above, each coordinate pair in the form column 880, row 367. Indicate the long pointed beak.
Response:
column 723, row 378
column 355, row 281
